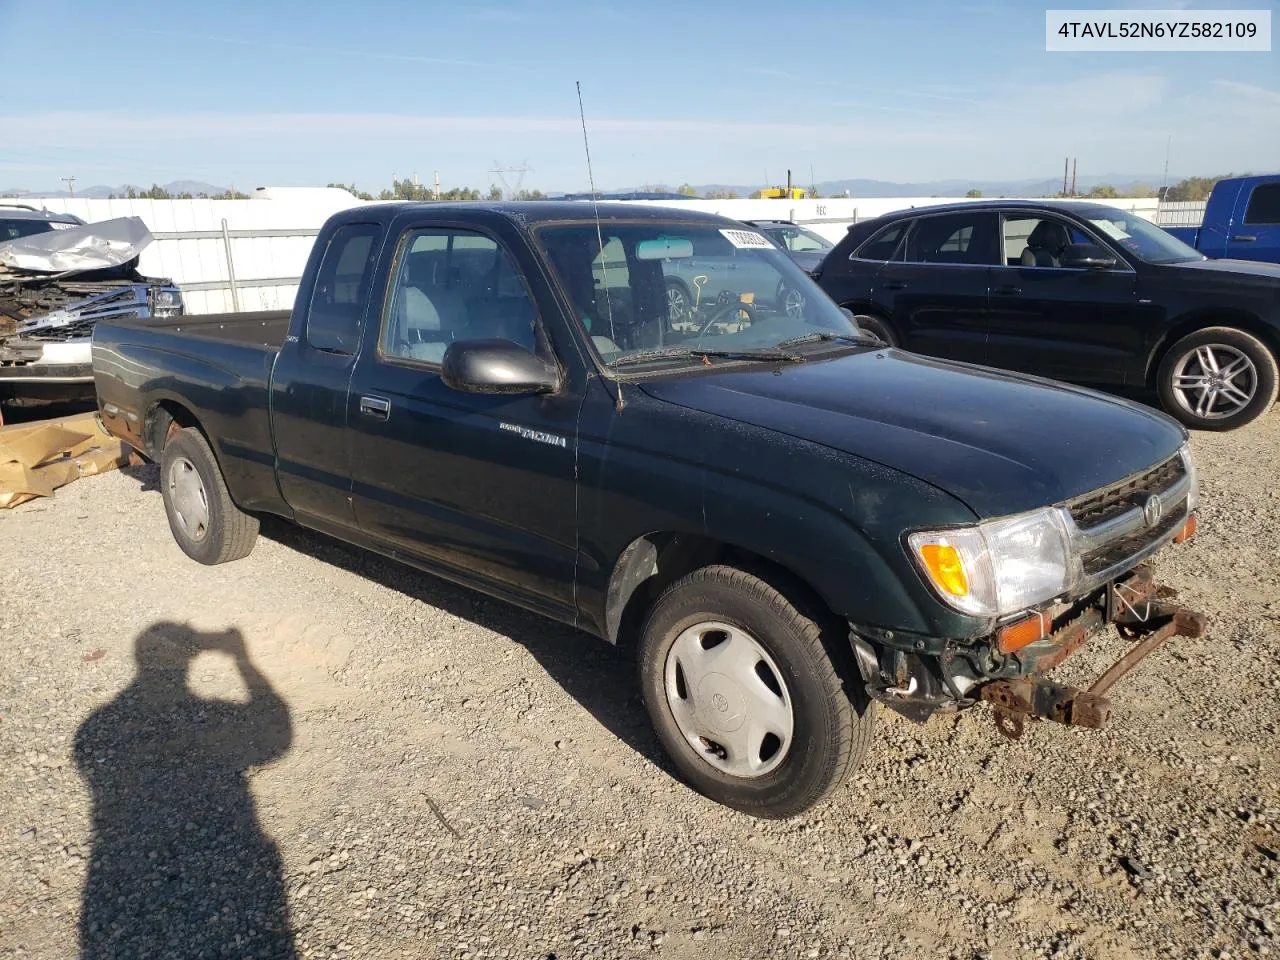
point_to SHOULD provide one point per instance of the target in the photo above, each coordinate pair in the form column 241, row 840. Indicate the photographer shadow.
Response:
column 180, row 865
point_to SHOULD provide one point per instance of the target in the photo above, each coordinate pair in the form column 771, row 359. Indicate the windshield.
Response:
column 1144, row 239
column 798, row 239
column 683, row 287
column 13, row 229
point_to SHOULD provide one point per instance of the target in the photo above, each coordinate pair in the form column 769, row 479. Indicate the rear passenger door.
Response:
column 938, row 286
column 1256, row 234
column 311, row 378
column 478, row 486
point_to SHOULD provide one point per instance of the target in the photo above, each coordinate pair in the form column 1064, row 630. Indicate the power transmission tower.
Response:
column 71, row 185
column 508, row 191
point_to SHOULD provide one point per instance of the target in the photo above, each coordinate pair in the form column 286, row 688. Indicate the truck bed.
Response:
column 262, row 328
column 221, row 363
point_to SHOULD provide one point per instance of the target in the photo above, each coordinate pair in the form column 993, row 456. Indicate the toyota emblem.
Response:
column 1152, row 510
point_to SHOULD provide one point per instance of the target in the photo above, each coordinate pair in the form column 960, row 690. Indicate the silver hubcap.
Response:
column 729, row 699
column 1215, row 381
column 186, row 493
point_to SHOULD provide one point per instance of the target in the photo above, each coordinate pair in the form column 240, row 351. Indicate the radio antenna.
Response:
column 595, row 206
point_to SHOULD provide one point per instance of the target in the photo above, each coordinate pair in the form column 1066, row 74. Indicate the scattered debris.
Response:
column 37, row 458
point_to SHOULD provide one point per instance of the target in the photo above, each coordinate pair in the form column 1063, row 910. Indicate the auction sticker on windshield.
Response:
column 747, row 239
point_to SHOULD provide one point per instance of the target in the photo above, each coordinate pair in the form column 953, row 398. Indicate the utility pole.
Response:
column 437, row 184
column 1066, row 163
column 511, row 188
column 71, row 185
column 1165, row 182
column 1073, row 175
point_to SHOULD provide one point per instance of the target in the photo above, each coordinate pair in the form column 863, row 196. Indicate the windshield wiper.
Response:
column 822, row 336
column 684, row 353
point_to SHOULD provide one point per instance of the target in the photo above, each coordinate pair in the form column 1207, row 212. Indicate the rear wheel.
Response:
column 878, row 327
column 745, row 697
column 207, row 525
column 1219, row 378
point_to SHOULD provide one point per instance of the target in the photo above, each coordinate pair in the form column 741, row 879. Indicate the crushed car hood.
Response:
column 1000, row 442
column 94, row 246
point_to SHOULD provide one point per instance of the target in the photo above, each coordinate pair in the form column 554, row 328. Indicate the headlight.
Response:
column 1189, row 464
column 998, row 567
column 167, row 299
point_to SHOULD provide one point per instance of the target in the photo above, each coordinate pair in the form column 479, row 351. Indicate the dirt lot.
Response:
column 388, row 766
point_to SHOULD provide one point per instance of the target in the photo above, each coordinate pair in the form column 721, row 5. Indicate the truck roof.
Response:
column 541, row 211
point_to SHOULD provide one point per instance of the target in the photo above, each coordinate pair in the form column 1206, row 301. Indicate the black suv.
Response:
column 1072, row 291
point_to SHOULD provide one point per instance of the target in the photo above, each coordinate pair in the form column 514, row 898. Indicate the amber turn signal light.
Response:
column 1020, row 633
column 946, row 568
column 1188, row 530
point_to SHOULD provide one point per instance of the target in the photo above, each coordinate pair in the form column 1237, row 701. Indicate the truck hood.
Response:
column 1000, row 442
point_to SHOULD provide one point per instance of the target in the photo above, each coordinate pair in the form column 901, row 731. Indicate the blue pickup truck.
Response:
column 1241, row 221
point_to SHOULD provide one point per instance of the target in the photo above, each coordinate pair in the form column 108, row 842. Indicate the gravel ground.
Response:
column 318, row 753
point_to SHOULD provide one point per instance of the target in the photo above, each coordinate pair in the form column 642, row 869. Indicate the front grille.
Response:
column 1096, row 508
column 1117, row 551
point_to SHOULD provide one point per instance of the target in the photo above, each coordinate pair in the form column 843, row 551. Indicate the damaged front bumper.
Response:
column 966, row 672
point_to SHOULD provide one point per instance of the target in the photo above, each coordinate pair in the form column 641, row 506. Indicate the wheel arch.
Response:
column 164, row 416
column 1203, row 319
column 653, row 561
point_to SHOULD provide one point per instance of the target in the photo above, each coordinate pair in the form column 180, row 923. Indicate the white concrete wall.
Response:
column 204, row 261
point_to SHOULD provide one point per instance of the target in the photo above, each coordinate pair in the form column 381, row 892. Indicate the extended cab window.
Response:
column 1264, row 204
column 452, row 284
column 883, row 245
column 958, row 238
column 342, row 288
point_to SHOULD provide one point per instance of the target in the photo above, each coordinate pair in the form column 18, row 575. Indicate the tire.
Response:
column 204, row 521
column 878, row 327
column 790, row 300
column 788, row 672
column 679, row 301
column 1196, row 365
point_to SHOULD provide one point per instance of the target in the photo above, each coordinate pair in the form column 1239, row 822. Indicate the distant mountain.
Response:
column 193, row 187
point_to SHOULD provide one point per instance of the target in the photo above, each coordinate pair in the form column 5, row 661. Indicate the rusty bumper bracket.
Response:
column 1151, row 620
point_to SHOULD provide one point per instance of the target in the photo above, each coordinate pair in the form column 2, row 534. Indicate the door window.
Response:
column 883, row 245
column 1264, row 204
column 449, row 285
column 955, row 238
column 342, row 288
column 1038, row 241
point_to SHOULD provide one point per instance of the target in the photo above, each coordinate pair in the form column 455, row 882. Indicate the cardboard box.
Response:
column 37, row 458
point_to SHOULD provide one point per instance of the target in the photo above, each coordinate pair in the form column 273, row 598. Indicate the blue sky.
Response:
column 279, row 93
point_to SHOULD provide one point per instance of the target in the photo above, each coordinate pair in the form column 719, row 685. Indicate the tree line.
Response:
column 158, row 192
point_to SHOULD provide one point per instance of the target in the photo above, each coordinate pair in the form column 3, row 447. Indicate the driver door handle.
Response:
column 895, row 284
column 1008, row 290
column 375, row 407
column 1243, row 238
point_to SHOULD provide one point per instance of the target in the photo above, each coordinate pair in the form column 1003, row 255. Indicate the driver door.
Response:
column 1066, row 323
column 480, row 486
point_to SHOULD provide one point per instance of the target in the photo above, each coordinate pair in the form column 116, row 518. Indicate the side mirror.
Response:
column 1087, row 255
column 496, row 366
column 849, row 314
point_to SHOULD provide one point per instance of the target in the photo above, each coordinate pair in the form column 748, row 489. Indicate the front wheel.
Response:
column 878, row 327
column 205, row 522
column 1219, row 378
column 745, row 696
